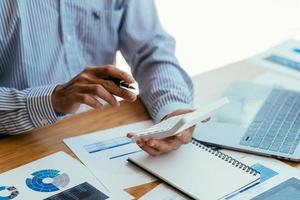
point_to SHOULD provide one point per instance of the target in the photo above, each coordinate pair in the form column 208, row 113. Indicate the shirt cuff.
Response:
column 40, row 107
column 167, row 109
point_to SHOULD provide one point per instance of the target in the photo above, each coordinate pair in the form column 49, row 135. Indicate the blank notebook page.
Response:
column 196, row 172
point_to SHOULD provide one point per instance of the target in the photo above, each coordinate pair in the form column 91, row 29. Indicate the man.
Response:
column 58, row 54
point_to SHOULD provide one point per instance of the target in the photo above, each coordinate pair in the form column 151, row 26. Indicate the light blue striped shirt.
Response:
column 44, row 43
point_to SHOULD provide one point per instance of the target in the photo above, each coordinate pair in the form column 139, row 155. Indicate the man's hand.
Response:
column 157, row 147
column 90, row 84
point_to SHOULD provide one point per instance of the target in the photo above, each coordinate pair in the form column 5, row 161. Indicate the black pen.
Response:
column 121, row 83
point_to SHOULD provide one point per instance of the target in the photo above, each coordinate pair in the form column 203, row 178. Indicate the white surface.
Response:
column 278, row 80
column 60, row 161
column 213, row 33
column 196, row 172
column 163, row 192
column 115, row 173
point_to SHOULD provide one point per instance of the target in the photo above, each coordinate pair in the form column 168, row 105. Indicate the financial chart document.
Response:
column 105, row 153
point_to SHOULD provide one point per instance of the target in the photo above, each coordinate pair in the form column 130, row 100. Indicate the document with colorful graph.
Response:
column 105, row 153
column 55, row 177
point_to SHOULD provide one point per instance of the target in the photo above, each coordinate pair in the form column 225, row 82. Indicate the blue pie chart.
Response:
column 12, row 190
column 47, row 180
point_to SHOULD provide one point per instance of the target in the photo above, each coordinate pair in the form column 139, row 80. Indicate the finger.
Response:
column 186, row 135
column 114, row 89
column 118, row 91
column 129, row 135
column 88, row 100
column 165, row 145
column 100, row 91
column 150, row 150
column 143, row 145
column 206, row 120
column 111, row 71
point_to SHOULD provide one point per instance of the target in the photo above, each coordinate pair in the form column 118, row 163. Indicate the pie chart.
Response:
column 47, row 180
column 11, row 191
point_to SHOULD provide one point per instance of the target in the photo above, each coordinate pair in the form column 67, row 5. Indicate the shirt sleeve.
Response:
column 23, row 110
column 149, row 50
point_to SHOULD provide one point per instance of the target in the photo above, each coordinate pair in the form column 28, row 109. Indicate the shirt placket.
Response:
column 68, row 38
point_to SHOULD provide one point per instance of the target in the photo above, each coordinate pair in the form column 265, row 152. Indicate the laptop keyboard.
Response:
column 276, row 126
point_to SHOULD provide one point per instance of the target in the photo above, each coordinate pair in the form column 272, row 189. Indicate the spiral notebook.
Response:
column 199, row 171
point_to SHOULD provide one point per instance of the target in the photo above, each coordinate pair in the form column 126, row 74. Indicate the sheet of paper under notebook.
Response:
column 54, row 177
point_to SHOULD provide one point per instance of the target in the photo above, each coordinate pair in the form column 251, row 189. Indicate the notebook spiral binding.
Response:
column 226, row 158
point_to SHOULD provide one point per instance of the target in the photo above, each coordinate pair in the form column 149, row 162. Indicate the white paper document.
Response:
column 273, row 172
column 54, row 177
column 105, row 153
column 284, row 58
column 164, row 192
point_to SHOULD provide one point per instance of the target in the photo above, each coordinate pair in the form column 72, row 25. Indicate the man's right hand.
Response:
column 89, row 84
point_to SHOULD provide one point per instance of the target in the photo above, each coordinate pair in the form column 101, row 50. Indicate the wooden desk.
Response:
column 21, row 149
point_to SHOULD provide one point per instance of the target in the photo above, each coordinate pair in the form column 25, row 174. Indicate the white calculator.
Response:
column 176, row 124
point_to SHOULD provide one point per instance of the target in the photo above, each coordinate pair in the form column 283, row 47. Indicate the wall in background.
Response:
column 213, row 33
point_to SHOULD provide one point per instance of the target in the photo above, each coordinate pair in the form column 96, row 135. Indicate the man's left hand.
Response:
column 156, row 147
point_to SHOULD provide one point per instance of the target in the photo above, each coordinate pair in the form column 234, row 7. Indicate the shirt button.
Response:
column 69, row 38
column 44, row 122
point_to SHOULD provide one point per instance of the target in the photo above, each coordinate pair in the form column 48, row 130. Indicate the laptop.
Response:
column 258, row 119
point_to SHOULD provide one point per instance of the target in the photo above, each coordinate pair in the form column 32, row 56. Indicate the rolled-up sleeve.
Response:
column 149, row 50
